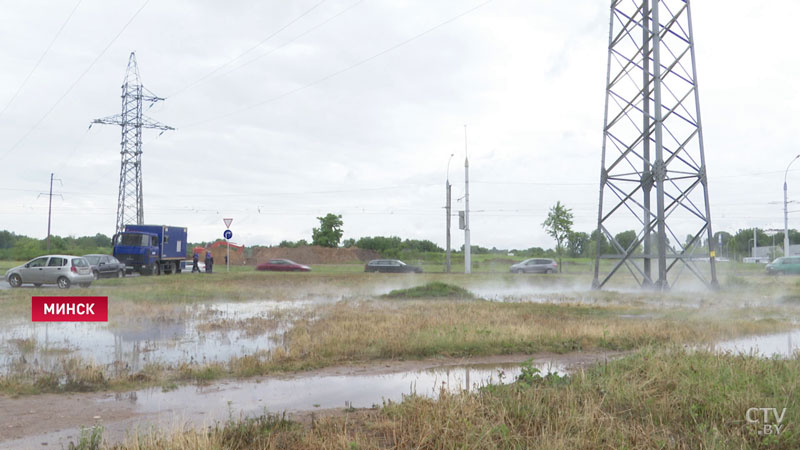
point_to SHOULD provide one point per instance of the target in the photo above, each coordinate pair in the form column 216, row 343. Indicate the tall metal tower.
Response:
column 130, row 203
column 653, row 171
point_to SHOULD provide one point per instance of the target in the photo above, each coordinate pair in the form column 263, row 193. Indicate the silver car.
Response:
column 535, row 265
column 62, row 270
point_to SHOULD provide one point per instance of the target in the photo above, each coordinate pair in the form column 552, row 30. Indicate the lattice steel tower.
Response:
column 130, row 203
column 653, row 170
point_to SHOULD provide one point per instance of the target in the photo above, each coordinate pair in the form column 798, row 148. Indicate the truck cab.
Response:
column 138, row 250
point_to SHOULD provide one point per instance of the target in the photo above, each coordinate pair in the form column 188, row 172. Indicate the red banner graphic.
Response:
column 69, row 309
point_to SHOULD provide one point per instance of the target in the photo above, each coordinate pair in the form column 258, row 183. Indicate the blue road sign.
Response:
column 228, row 234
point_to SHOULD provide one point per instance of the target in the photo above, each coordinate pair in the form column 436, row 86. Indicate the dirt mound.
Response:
column 313, row 254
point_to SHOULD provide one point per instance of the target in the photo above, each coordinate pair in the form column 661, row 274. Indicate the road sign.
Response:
column 227, row 222
column 228, row 234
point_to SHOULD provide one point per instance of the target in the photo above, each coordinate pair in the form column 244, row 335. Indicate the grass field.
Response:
column 663, row 395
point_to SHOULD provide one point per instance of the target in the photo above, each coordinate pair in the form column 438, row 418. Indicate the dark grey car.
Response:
column 390, row 266
column 535, row 265
column 105, row 266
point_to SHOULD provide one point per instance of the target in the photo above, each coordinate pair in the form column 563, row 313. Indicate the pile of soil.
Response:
column 237, row 258
column 313, row 254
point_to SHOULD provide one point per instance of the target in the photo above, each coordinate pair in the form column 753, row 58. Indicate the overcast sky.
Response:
column 355, row 107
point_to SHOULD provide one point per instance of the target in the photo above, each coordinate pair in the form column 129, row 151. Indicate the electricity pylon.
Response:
column 653, row 171
column 130, row 203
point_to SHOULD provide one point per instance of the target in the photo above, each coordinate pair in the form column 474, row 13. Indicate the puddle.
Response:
column 130, row 344
column 195, row 406
column 320, row 392
column 782, row 345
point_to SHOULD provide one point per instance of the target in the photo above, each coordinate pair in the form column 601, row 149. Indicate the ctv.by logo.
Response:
column 766, row 426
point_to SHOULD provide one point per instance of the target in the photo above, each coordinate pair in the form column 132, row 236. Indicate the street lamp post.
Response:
column 786, row 210
column 447, row 209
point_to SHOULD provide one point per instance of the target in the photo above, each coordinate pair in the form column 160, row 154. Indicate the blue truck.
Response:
column 151, row 249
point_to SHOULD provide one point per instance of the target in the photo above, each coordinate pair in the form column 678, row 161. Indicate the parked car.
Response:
column 535, row 265
column 784, row 265
column 62, row 270
column 390, row 266
column 105, row 266
column 283, row 265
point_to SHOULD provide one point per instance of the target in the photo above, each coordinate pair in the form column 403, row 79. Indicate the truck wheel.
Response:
column 63, row 283
column 15, row 281
column 156, row 269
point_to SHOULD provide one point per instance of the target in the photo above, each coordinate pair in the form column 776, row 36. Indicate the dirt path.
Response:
column 53, row 420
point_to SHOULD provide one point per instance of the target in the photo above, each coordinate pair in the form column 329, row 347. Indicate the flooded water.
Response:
column 310, row 393
column 195, row 406
column 131, row 343
column 782, row 345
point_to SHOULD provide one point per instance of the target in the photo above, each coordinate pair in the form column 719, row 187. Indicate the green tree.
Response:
column 626, row 238
column 578, row 243
column 329, row 232
column 559, row 226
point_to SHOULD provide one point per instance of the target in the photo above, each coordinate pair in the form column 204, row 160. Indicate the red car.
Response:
column 283, row 265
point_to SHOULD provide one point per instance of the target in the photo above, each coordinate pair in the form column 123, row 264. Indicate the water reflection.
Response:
column 781, row 344
column 131, row 343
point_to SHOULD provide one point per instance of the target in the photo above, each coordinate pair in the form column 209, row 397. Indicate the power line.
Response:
column 39, row 122
column 340, row 71
column 273, row 34
column 36, row 66
column 308, row 31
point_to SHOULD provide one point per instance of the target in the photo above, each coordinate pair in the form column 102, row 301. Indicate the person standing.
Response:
column 208, row 261
column 195, row 262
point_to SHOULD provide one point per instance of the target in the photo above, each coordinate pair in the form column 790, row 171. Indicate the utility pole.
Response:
column 467, row 245
column 786, row 210
column 49, row 208
column 447, row 210
column 755, row 243
column 49, row 211
column 130, row 203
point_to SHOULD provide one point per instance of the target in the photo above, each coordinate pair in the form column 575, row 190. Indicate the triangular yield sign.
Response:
column 227, row 222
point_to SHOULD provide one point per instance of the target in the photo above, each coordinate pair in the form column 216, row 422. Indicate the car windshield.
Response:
column 92, row 259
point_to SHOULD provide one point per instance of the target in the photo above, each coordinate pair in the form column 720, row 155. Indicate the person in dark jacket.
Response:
column 195, row 262
column 209, row 261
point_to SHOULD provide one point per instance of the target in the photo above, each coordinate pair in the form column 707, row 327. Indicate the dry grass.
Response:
column 412, row 329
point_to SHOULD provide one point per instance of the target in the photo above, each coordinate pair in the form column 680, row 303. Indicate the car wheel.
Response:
column 15, row 281
column 549, row 271
column 95, row 275
column 85, row 285
column 63, row 282
column 120, row 274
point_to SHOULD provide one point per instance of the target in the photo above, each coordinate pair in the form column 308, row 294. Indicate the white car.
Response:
column 61, row 270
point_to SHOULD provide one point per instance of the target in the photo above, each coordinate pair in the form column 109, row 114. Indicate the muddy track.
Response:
column 53, row 420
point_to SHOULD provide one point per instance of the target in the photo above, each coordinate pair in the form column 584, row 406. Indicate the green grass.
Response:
column 435, row 289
